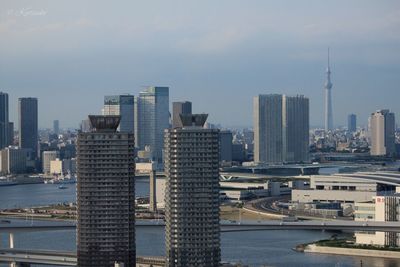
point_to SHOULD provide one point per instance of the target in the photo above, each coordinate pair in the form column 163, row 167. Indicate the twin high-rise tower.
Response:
column 281, row 129
column 105, row 194
column 192, row 194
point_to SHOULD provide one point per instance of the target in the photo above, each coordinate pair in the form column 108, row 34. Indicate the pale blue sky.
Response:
column 217, row 54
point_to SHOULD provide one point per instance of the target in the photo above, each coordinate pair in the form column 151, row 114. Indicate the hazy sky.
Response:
column 217, row 54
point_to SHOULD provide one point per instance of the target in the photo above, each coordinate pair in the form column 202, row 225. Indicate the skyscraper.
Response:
column 352, row 122
column 4, row 132
column 225, row 146
column 105, row 195
column 295, row 128
column 56, row 127
column 192, row 194
column 10, row 133
column 281, row 129
column 85, row 125
column 180, row 108
column 153, row 118
column 28, row 125
column 382, row 123
column 122, row 105
column 328, row 99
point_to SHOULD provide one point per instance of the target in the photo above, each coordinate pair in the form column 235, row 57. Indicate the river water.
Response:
column 266, row 248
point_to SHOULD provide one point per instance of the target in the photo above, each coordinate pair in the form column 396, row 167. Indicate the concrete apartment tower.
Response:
column 382, row 128
column 4, row 123
column 352, row 123
column 180, row 108
column 152, row 118
column 192, row 194
column 281, row 129
column 105, row 195
column 28, row 125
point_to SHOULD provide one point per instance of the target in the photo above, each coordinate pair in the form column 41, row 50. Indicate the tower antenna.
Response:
column 328, row 58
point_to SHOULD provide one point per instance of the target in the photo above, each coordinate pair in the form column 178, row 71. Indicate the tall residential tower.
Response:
column 192, row 230
column 105, row 195
column 328, row 99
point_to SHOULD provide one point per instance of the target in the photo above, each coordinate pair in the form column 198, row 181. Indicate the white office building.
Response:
column 382, row 129
column 348, row 188
column 381, row 209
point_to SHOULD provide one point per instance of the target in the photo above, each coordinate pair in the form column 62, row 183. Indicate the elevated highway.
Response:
column 62, row 258
column 38, row 257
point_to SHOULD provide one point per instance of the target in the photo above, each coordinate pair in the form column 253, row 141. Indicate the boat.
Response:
column 7, row 182
column 62, row 179
column 62, row 186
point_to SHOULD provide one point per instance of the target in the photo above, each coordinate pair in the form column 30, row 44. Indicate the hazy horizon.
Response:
column 218, row 55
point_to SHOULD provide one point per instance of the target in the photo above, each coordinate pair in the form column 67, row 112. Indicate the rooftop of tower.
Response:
column 104, row 123
column 190, row 120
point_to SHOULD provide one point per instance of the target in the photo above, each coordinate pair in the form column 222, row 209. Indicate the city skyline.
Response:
column 109, row 157
column 239, row 50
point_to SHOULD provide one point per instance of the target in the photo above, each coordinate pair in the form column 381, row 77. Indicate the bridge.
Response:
column 237, row 226
column 26, row 257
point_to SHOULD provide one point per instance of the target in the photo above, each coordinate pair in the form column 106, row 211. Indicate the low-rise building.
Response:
column 64, row 166
column 13, row 160
column 348, row 188
column 47, row 157
column 381, row 209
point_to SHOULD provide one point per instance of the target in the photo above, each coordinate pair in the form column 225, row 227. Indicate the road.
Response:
column 268, row 206
column 62, row 258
